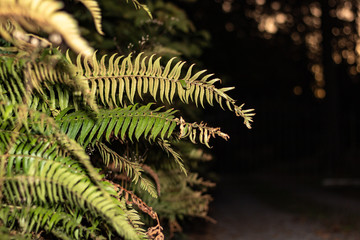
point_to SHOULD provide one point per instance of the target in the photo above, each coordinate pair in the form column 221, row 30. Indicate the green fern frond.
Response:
column 119, row 122
column 133, row 170
column 131, row 121
column 35, row 218
column 47, row 181
column 36, row 122
column 95, row 11
column 12, row 83
column 20, row 76
column 44, row 15
column 122, row 77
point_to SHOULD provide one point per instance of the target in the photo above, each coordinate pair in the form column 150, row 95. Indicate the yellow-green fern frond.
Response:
column 46, row 16
column 165, row 145
column 19, row 77
column 132, row 170
column 141, row 6
column 94, row 9
column 123, row 78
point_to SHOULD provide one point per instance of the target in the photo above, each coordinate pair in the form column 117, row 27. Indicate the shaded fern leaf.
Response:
column 44, row 15
column 132, row 169
column 48, row 181
column 35, row 218
column 122, row 77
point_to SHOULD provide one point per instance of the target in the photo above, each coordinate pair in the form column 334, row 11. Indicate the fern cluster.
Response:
column 75, row 133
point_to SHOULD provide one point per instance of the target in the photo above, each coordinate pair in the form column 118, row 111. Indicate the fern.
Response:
column 41, row 123
column 46, row 180
column 141, row 6
column 132, row 169
column 131, row 121
column 53, row 113
column 95, row 11
column 36, row 217
column 122, row 77
column 21, row 76
column 44, row 15
column 179, row 194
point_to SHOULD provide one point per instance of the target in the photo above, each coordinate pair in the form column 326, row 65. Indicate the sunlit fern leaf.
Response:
column 46, row 16
column 141, row 6
column 19, row 77
column 132, row 170
column 46, row 181
column 95, row 11
column 124, row 78
column 35, row 218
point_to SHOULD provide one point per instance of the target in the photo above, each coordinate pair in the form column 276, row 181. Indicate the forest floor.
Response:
column 276, row 208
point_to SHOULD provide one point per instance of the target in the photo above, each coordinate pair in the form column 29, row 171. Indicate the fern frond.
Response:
column 94, row 9
column 119, row 122
column 130, row 198
column 141, row 6
column 20, row 76
column 165, row 145
column 132, row 170
column 36, row 122
column 47, row 181
column 134, row 218
column 35, row 218
column 44, row 15
column 122, row 77
column 132, row 121
column 11, row 80
column 180, row 195
column 191, row 130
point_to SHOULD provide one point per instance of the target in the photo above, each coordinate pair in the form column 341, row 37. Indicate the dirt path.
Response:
column 256, row 211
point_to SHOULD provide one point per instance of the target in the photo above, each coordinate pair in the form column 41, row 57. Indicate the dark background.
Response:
column 295, row 174
column 292, row 134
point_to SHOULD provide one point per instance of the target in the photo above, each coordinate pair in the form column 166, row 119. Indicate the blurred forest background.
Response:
column 298, row 64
